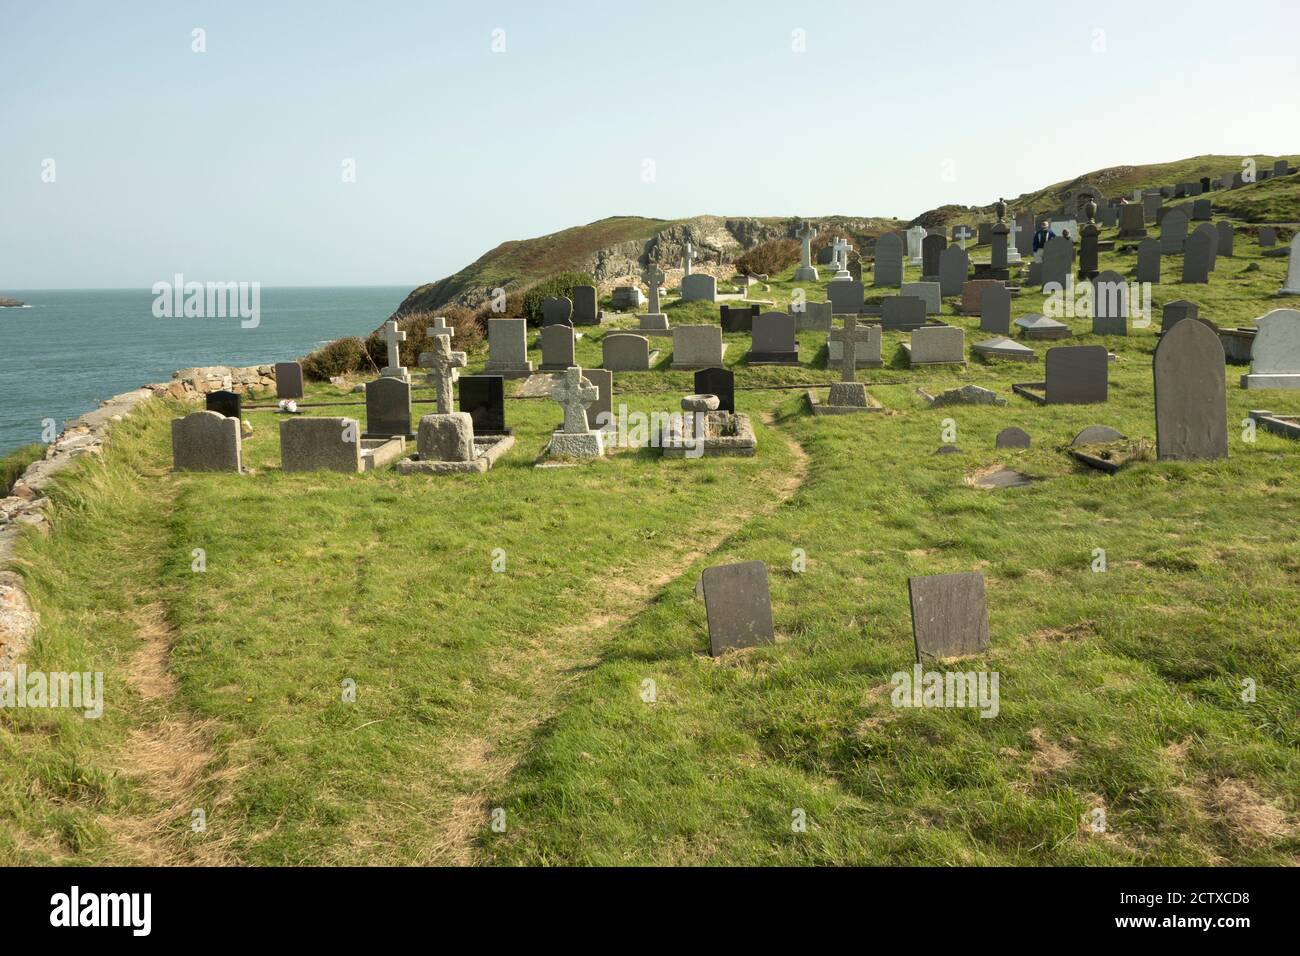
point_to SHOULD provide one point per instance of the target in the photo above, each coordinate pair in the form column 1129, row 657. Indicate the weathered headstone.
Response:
column 654, row 319
column 954, row 265
column 1148, row 264
column 845, row 297
column 1132, row 224
column 1275, row 354
column 931, row 249
column 388, row 408
column 557, row 310
column 1201, row 211
column 393, row 338
column 1174, row 312
column 1196, row 258
column 1210, row 232
column 807, row 272
column 889, row 260
column 937, row 345
column 738, row 605
column 586, row 311
column 1292, row 284
column 813, row 317
column 773, row 340
column 599, row 412
column 288, row 380
column 738, row 318
column 1173, row 232
column 902, row 313
column 995, row 309
column 622, row 352
column 697, row 346
column 699, row 287
column 557, row 349
column 1077, row 374
column 575, row 438
column 320, row 444
column 1191, row 398
column 508, row 348
column 206, row 441
column 949, row 615
column 928, row 291
column 1267, row 237
column 720, row 382
column 1109, row 304
column 1012, row 438
column 1058, row 259
column 442, row 363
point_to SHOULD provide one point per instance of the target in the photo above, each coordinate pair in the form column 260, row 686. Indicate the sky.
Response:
column 129, row 155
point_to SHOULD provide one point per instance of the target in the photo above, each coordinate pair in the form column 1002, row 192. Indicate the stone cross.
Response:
column 440, row 327
column 840, row 252
column 962, row 234
column 1014, row 228
column 394, row 338
column 806, row 235
column 849, row 337
column 575, row 393
column 442, row 363
column 687, row 257
column 652, row 277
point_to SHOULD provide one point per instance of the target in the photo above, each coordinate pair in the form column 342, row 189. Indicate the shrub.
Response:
column 340, row 357
column 561, row 283
column 768, row 258
column 469, row 335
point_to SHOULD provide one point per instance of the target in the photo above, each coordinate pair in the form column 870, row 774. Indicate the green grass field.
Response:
column 518, row 696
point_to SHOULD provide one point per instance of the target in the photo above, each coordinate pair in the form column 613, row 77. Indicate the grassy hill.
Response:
column 525, row 689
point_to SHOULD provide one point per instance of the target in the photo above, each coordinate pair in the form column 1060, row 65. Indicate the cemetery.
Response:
column 610, row 632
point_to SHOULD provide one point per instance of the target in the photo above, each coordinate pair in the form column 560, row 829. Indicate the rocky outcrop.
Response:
column 193, row 383
column 10, row 303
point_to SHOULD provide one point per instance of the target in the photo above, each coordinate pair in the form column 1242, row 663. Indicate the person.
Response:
column 1043, row 234
column 1065, row 234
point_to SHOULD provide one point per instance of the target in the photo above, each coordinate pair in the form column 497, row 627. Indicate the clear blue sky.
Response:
column 226, row 165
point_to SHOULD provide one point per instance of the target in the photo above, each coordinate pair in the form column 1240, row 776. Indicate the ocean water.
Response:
column 69, row 349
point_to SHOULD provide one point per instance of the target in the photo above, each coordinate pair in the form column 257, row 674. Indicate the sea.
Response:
column 67, row 350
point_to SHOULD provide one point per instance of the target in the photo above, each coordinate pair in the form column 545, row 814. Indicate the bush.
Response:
column 469, row 335
column 768, row 258
column 15, row 463
column 559, row 284
column 340, row 357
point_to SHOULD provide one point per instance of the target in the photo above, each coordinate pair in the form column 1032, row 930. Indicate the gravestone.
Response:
column 557, row 350
column 393, row 338
column 1226, row 237
column 1109, row 304
column 1292, row 284
column 1151, row 203
column 1058, row 259
column 442, row 364
column 653, row 320
column 814, row 317
column 1281, row 168
column 937, row 345
column 1174, row 312
column 1148, row 264
column 1201, row 210
column 699, row 287
column 697, row 346
column 388, row 408
column 1191, row 398
column 288, row 380
column 1173, row 232
column 738, row 605
column 1012, row 438
column 806, row 272
column 1077, row 374
column 720, row 382
column 575, row 438
column 627, row 297
column 599, row 412
column 855, row 344
column 931, row 249
column 623, row 352
column 1205, row 186
column 1196, row 258
column 441, row 328
column 320, row 444
column 846, row 297
column 985, row 232
column 1024, row 233
column 1001, row 347
column 206, row 441
column 954, row 265
column 889, row 261
column 483, row 398
column 508, row 348
column 972, row 294
column 995, row 309
column 738, row 318
column 1132, row 225
column 1035, row 326
column 949, row 615
column 225, row 403
column 557, row 310
column 773, row 341
column 1210, row 232
column 585, row 308
column 1275, row 354
column 915, row 239
column 927, row 291
column 1267, row 237
column 902, row 313
column 445, row 438
column 1095, row 435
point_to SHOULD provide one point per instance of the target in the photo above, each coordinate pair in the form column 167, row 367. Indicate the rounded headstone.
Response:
column 1012, row 438
column 1096, row 434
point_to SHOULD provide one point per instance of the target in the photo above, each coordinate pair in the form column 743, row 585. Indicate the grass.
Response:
column 524, row 691
column 15, row 463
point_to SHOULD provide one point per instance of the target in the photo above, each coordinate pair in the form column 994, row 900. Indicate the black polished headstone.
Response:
column 225, row 403
column 482, row 397
column 738, row 318
column 720, row 382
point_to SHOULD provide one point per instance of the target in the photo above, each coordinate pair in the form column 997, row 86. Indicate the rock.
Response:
column 11, row 303
column 965, row 395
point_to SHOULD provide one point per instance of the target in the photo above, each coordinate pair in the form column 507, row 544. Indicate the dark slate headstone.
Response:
column 720, row 382
column 1173, row 232
column 995, row 309
column 985, row 233
column 954, row 264
column 1205, row 185
column 1148, row 265
column 773, row 339
column 1058, row 258
column 1191, row 397
column 483, row 398
column 1267, row 237
column 949, row 615
column 1110, row 304
column 557, row 310
column 1226, row 237
column 1211, row 232
column 1201, row 210
column 1174, row 312
column 585, row 309
column 1281, row 168
column 1095, row 435
column 739, row 606
column 603, row 380
column 1012, row 438
column 1077, row 374
column 889, row 260
column 388, row 409
column 902, row 313
column 288, row 380
column 845, row 296
column 1131, row 222
column 738, row 318
column 225, row 403
column 932, row 247
column 1196, row 257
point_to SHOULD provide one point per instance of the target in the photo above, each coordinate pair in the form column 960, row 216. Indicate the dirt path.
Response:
column 552, row 664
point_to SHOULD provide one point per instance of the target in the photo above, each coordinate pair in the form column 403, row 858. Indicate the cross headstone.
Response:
column 574, row 394
column 653, row 277
column 393, row 338
column 442, row 363
column 962, row 234
column 849, row 337
column 440, row 327
column 840, row 249
column 806, row 270
column 688, row 256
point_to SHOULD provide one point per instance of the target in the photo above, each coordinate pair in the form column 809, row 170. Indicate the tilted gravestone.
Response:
column 225, row 403
column 1196, row 258
column 773, row 341
column 949, row 615
column 954, row 266
column 557, row 310
column 206, row 441
column 1012, row 438
column 585, row 308
column 738, row 605
column 388, row 409
column 720, row 382
column 288, row 380
column 902, row 313
column 482, row 397
column 889, row 260
column 846, row 297
column 623, row 352
column 995, row 309
column 1148, row 264
column 1191, row 398
column 557, row 349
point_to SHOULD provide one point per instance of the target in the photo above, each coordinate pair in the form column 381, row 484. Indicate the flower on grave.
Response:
column 288, row 405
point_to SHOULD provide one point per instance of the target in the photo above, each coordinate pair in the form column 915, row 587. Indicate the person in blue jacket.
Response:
column 1043, row 234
